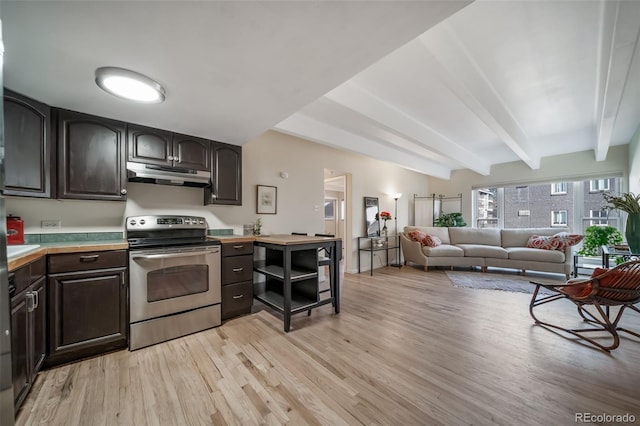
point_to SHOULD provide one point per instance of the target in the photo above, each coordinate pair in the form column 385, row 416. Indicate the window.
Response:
column 559, row 188
column 559, row 218
column 598, row 217
column 596, row 185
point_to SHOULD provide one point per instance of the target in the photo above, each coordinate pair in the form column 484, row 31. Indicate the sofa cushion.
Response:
column 478, row 250
column 537, row 255
column 440, row 232
column 479, row 236
column 443, row 250
column 518, row 237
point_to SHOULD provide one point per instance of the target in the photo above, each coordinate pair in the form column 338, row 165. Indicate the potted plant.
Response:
column 597, row 236
column 629, row 203
column 450, row 220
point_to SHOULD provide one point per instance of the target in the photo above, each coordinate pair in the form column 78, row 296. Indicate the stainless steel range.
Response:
column 174, row 278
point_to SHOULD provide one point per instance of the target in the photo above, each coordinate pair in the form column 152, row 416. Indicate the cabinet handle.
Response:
column 238, row 247
column 240, row 296
column 238, row 269
column 91, row 258
column 32, row 301
column 123, row 191
column 37, row 297
column 214, row 196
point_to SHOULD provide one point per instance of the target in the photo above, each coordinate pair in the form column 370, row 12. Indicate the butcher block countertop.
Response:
column 64, row 247
column 231, row 239
column 292, row 239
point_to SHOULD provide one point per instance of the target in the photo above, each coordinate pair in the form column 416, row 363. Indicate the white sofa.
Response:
column 486, row 247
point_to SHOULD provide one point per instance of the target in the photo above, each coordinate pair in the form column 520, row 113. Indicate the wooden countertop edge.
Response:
column 293, row 239
column 232, row 239
column 23, row 259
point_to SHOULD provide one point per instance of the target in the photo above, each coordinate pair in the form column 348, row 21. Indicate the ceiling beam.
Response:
column 308, row 128
column 619, row 31
column 370, row 106
column 458, row 70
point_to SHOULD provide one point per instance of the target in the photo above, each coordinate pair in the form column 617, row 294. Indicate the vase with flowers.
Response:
column 629, row 203
column 385, row 216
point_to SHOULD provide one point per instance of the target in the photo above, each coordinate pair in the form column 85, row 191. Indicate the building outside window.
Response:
column 559, row 218
column 597, row 185
column 559, row 188
column 574, row 205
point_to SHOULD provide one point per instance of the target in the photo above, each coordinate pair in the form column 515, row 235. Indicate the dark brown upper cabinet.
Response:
column 28, row 147
column 91, row 157
column 163, row 148
column 226, row 175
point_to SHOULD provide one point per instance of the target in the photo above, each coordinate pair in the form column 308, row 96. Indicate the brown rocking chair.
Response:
column 619, row 286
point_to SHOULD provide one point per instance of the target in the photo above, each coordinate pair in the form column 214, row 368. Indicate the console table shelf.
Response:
column 277, row 271
column 391, row 242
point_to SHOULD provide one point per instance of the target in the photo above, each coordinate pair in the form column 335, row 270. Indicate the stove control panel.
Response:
column 165, row 222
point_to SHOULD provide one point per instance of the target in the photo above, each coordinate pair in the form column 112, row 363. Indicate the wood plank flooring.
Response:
column 408, row 348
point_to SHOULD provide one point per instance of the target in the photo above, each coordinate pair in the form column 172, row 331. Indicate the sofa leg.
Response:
column 426, row 269
column 567, row 276
column 524, row 272
column 483, row 268
column 451, row 268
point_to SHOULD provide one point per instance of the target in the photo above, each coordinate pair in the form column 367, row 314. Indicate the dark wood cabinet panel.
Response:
column 150, row 146
column 28, row 328
column 236, row 299
column 191, row 153
column 226, row 175
column 87, row 261
column 28, row 147
column 91, row 155
column 88, row 313
column 237, row 249
column 238, row 268
column 19, row 348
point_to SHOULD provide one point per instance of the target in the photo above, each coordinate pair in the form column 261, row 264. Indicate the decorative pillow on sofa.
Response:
column 540, row 242
column 563, row 240
column 418, row 236
column 559, row 241
column 424, row 239
column 431, row 241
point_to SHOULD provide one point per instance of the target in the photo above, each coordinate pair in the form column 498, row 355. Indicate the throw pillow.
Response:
column 431, row 241
column 562, row 240
column 540, row 242
column 418, row 236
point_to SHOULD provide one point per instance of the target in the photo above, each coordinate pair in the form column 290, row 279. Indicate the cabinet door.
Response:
column 19, row 347
column 226, row 175
column 191, row 153
column 38, row 327
column 149, row 146
column 87, row 313
column 27, row 146
column 91, row 157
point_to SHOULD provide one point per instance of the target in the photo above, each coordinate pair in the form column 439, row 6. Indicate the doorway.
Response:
column 337, row 208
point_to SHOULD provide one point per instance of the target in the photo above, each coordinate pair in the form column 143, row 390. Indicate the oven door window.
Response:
column 177, row 281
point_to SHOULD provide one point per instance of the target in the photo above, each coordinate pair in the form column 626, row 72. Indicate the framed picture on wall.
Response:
column 267, row 202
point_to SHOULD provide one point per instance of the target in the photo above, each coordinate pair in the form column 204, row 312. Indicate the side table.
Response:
column 612, row 251
column 390, row 242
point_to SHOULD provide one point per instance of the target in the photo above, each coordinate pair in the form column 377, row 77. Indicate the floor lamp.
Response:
column 397, row 264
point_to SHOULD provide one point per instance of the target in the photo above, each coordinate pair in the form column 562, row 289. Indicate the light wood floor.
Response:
column 407, row 349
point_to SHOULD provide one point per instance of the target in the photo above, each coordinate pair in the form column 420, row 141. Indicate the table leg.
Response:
column 335, row 278
column 287, row 290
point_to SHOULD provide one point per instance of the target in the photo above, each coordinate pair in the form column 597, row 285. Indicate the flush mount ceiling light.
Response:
column 130, row 85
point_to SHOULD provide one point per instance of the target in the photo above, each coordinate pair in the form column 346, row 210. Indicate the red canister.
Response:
column 15, row 230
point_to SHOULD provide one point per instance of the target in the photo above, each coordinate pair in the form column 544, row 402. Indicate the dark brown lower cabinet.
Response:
column 28, row 327
column 237, row 279
column 88, row 307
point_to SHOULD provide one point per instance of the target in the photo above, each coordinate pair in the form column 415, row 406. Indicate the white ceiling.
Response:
column 433, row 86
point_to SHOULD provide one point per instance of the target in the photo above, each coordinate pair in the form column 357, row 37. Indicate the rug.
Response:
column 501, row 281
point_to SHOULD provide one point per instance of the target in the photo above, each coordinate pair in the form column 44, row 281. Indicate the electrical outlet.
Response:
column 51, row 223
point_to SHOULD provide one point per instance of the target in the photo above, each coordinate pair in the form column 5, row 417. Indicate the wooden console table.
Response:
column 290, row 269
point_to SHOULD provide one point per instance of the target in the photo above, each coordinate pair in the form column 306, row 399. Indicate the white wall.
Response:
column 263, row 160
column 569, row 166
column 634, row 163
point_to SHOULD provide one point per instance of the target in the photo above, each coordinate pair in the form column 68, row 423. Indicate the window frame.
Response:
column 560, row 212
column 559, row 188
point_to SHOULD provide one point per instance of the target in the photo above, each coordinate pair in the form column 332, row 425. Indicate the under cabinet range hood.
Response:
column 147, row 173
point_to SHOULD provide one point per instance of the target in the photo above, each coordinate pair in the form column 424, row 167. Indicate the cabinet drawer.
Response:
column 237, row 249
column 87, row 261
column 29, row 273
column 236, row 269
column 237, row 299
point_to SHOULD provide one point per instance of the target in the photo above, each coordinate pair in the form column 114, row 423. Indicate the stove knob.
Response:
column 187, row 221
column 142, row 221
column 201, row 221
column 132, row 222
column 194, row 220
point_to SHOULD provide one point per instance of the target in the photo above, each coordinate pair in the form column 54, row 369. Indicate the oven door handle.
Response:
column 170, row 256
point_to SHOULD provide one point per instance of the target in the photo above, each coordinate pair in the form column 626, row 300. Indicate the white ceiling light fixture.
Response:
column 129, row 85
